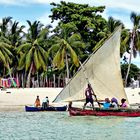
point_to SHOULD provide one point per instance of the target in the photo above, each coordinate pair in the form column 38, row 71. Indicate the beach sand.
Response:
column 133, row 95
column 15, row 99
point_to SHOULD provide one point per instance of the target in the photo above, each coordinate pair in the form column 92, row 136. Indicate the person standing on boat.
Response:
column 45, row 103
column 37, row 102
column 88, row 93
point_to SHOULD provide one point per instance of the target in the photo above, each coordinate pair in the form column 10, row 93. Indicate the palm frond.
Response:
column 73, row 56
column 29, row 59
column 42, row 62
column 36, row 60
column 24, row 47
column 21, row 63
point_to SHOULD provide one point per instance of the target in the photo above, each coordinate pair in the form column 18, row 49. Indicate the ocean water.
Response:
column 60, row 126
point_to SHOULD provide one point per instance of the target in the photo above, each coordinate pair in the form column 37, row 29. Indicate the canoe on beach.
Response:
column 50, row 108
column 105, row 112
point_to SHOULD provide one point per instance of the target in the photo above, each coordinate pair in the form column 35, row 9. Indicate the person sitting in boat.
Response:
column 45, row 102
column 88, row 93
column 114, row 103
column 106, row 104
column 37, row 102
column 123, row 103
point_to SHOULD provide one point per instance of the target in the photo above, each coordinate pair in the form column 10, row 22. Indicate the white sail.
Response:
column 103, row 72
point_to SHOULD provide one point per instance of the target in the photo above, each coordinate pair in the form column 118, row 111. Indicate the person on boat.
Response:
column 123, row 103
column 45, row 102
column 37, row 102
column 88, row 93
column 106, row 104
column 114, row 103
column 69, row 105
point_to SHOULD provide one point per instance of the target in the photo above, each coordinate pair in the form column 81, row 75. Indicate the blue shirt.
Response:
column 106, row 105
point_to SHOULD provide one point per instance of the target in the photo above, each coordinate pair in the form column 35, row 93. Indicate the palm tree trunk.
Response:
column 54, row 80
column 131, row 53
column 67, row 68
column 29, row 76
column 22, row 77
column 59, row 81
column 37, row 80
column 17, row 77
column 14, row 84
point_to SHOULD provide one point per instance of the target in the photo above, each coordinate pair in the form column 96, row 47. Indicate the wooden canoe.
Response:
column 50, row 108
column 105, row 112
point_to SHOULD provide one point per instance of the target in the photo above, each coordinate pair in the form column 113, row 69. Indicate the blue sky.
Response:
column 22, row 10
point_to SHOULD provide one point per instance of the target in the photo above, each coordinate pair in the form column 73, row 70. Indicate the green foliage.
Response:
column 135, row 18
column 80, row 31
column 134, row 71
column 84, row 17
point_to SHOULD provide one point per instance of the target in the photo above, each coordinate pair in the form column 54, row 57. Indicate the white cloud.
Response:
column 124, row 4
column 25, row 2
column 46, row 20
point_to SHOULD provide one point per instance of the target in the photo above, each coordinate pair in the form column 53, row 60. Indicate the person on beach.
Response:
column 123, row 103
column 45, row 103
column 37, row 102
column 114, row 103
column 88, row 93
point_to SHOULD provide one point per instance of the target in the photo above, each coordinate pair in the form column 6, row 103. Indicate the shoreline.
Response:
column 15, row 99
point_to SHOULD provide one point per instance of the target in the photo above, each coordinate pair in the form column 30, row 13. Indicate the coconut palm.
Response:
column 125, row 41
column 111, row 25
column 16, row 33
column 6, row 57
column 32, row 52
column 65, row 45
column 135, row 40
column 4, row 25
column 6, row 45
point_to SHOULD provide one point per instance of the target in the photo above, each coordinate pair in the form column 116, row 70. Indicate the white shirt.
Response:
column 114, row 105
column 45, row 100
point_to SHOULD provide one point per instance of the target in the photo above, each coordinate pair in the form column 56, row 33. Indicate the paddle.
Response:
column 90, row 85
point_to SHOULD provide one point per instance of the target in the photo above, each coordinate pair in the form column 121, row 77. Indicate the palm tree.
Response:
column 111, row 25
column 15, row 34
column 125, row 41
column 135, row 40
column 4, row 25
column 6, row 45
column 6, row 57
column 65, row 45
column 32, row 52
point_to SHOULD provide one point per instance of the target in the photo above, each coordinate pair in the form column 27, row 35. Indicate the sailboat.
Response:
column 102, row 71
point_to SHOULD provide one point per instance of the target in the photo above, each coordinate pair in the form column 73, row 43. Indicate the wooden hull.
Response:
column 105, row 112
column 35, row 109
